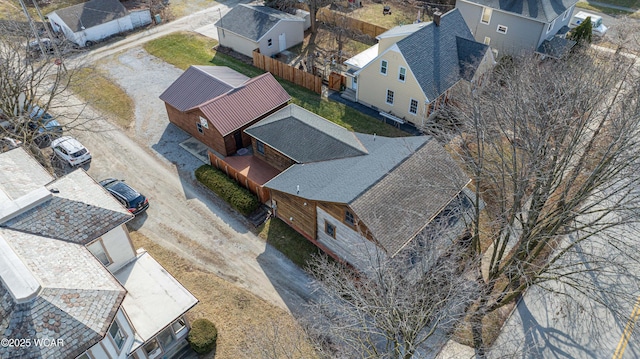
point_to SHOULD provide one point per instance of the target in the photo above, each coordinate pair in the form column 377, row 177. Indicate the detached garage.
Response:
column 92, row 21
column 249, row 27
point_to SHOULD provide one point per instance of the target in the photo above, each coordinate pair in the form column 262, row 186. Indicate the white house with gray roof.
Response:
column 87, row 23
column 520, row 27
column 411, row 69
column 354, row 195
column 71, row 283
column 249, row 27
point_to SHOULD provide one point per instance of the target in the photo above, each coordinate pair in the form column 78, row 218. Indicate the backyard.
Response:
column 185, row 49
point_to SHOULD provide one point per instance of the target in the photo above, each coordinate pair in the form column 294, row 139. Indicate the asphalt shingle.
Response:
column 253, row 21
column 91, row 13
column 542, row 10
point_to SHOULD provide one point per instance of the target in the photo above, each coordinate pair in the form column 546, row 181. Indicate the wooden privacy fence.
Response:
column 289, row 73
column 333, row 17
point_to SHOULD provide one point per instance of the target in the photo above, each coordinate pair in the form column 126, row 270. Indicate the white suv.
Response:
column 70, row 151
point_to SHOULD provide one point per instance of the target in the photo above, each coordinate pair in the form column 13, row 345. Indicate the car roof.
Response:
column 122, row 189
column 69, row 143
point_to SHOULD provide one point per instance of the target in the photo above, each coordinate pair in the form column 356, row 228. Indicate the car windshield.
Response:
column 79, row 153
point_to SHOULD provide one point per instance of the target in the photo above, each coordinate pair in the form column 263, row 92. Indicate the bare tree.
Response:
column 313, row 5
column 552, row 148
column 402, row 306
column 31, row 74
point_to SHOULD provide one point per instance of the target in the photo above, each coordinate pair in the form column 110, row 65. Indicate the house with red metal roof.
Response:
column 215, row 104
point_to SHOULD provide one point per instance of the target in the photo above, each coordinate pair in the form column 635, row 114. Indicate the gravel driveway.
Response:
column 182, row 216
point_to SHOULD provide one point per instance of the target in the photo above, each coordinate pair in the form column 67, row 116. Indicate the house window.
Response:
column 413, row 106
column 116, row 335
column 348, row 218
column 269, row 42
column 566, row 13
column 551, row 25
column 383, row 67
column 178, row 326
column 97, row 249
column 166, row 338
column 402, row 74
column 83, row 356
column 502, row 29
column 486, row 15
column 153, row 349
column 487, row 40
column 204, row 122
column 260, row 147
column 330, row 229
column 390, row 97
column 199, row 127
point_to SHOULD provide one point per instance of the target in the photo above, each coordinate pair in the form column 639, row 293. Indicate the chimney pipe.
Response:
column 436, row 17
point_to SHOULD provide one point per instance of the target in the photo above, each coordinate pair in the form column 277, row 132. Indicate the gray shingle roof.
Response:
column 91, row 13
column 542, row 10
column 199, row 84
column 556, row 48
column 343, row 180
column 253, row 21
column 78, row 300
column 402, row 203
column 434, row 53
column 306, row 137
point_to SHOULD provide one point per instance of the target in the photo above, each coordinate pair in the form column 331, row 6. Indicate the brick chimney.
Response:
column 436, row 17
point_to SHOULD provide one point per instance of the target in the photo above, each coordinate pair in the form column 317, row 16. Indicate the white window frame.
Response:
column 487, row 40
column 393, row 95
column 486, row 10
column 384, row 64
column 566, row 14
column 410, row 103
column 199, row 127
column 552, row 24
column 204, row 122
column 502, row 27
column 122, row 333
column 104, row 251
column 404, row 75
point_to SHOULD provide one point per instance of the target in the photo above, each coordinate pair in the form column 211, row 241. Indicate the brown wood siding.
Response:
column 304, row 217
column 272, row 156
column 253, row 187
column 188, row 121
column 337, row 210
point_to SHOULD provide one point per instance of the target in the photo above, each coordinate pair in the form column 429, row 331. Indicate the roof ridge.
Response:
column 232, row 90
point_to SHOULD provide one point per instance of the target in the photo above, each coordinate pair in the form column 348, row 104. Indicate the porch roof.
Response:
column 154, row 297
column 253, row 168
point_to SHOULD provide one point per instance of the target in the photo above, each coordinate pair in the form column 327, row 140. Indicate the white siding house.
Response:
column 87, row 23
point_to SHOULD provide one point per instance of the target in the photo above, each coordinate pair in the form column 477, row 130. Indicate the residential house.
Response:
column 350, row 193
column 214, row 104
column 71, row 283
column 249, row 27
column 87, row 23
column 519, row 27
column 411, row 69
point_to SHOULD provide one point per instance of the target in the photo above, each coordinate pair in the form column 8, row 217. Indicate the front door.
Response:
column 354, row 83
column 238, row 137
column 282, row 42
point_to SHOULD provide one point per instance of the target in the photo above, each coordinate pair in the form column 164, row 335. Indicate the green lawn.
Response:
column 633, row 4
column 291, row 243
column 185, row 49
column 602, row 9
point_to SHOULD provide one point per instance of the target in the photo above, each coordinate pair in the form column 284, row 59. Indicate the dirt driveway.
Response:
column 182, row 216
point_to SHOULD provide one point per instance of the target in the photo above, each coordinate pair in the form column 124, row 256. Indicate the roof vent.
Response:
column 54, row 190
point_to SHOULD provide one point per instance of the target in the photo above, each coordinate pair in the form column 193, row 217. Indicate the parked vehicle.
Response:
column 34, row 47
column 133, row 201
column 71, row 151
column 44, row 123
column 9, row 143
column 597, row 27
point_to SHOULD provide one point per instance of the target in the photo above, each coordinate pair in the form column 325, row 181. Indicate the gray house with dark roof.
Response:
column 87, row 23
column 520, row 27
column 411, row 69
column 71, row 283
column 249, row 27
column 354, row 194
